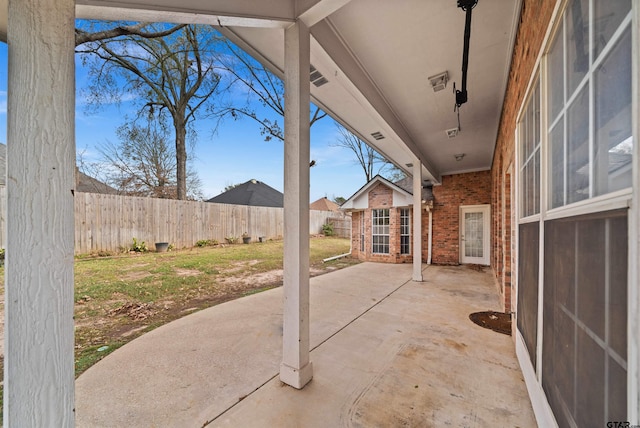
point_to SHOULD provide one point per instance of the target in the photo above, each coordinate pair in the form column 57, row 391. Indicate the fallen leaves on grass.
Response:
column 134, row 310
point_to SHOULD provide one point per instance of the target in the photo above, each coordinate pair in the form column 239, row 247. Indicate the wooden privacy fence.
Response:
column 341, row 226
column 110, row 222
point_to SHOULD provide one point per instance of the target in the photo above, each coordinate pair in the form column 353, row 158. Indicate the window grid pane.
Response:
column 530, row 154
column 405, row 231
column 380, row 231
column 613, row 135
column 578, row 148
column 362, row 223
column 592, row 154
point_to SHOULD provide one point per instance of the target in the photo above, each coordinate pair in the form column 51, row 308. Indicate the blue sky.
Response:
column 234, row 154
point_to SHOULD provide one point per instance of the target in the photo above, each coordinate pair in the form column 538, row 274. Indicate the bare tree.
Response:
column 142, row 163
column 170, row 70
column 370, row 161
column 262, row 85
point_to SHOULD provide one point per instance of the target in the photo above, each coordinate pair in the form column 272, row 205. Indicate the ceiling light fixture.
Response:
column 439, row 81
column 459, row 156
column 452, row 133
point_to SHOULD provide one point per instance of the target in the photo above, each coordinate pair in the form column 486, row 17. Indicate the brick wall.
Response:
column 380, row 197
column 534, row 20
column 472, row 188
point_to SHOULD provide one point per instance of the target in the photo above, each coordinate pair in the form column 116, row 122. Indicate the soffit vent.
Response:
column 439, row 81
column 316, row 77
column 377, row 136
column 452, row 133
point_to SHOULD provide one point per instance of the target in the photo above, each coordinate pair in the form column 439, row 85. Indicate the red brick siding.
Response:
column 472, row 188
column 380, row 197
column 534, row 20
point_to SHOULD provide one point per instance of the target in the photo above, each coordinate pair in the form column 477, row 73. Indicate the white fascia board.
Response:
column 187, row 12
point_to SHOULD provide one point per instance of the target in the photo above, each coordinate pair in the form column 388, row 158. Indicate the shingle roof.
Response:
column 88, row 184
column 253, row 193
column 407, row 184
column 324, row 204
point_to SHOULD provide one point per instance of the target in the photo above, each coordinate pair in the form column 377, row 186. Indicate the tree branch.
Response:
column 123, row 30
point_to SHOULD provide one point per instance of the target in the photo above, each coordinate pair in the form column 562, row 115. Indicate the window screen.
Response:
column 528, row 275
column 585, row 318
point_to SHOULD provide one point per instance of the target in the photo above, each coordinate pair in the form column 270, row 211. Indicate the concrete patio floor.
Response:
column 387, row 352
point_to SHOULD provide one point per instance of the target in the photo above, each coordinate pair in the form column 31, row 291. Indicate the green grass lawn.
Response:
column 118, row 298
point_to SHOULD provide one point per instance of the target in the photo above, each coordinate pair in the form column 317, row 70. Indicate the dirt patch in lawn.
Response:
column 116, row 321
column 135, row 276
column 187, row 272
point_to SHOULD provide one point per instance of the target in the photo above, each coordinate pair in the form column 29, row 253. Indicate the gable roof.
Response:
column 350, row 203
column 324, row 204
column 253, row 193
column 404, row 188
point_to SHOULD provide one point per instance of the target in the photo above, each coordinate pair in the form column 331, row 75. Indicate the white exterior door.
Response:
column 474, row 234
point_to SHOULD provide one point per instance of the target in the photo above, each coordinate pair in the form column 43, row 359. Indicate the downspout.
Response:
column 430, row 240
column 345, row 254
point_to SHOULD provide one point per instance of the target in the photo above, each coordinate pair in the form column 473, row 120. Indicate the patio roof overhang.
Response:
column 375, row 59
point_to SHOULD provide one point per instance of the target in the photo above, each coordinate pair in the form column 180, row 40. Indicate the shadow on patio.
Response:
column 387, row 352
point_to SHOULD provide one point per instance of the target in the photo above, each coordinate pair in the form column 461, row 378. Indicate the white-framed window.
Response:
column 362, row 225
column 405, row 231
column 380, row 231
column 589, row 102
column 575, row 141
column 529, row 141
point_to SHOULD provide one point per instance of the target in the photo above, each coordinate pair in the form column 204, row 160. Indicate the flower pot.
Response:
column 162, row 247
column 246, row 239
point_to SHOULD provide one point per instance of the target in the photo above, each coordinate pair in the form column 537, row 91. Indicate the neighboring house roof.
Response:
column 402, row 193
column 324, row 204
column 254, row 193
column 88, row 184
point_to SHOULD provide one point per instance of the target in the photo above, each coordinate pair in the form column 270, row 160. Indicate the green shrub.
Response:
column 207, row 242
column 232, row 239
column 327, row 229
column 139, row 247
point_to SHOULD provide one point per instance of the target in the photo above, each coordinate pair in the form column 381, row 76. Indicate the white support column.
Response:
column 633, row 333
column 296, row 369
column 417, row 220
column 39, row 364
column 430, row 239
